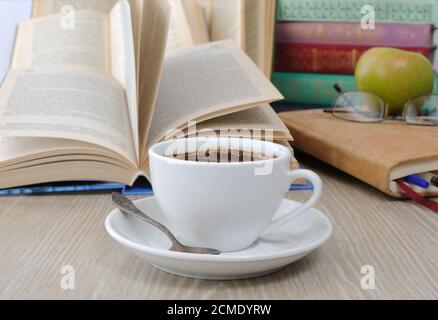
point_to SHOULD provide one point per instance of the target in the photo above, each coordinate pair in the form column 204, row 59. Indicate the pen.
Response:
column 416, row 180
column 434, row 181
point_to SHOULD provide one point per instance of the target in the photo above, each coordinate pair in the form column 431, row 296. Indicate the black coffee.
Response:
column 223, row 156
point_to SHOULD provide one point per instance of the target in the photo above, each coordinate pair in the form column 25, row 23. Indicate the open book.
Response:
column 91, row 90
column 250, row 24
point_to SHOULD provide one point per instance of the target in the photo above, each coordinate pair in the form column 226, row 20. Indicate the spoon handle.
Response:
column 126, row 205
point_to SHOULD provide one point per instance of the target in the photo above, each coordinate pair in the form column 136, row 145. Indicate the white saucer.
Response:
column 270, row 253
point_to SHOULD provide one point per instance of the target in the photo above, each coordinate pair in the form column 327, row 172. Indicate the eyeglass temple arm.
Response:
column 337, row 111
column 339, row 90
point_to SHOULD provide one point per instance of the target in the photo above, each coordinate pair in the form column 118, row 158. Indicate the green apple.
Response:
column 394, row 75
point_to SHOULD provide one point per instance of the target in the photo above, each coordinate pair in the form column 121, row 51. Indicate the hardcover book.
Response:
column 351, row 33
column 311, row 88
column 143, row 189
column 394, row 11
column 85, row 103
column 140, row 188
column 314, row 89
column 319, row 58
column 378, row 154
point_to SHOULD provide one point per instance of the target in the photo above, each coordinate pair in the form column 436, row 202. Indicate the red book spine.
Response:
column 316, row 58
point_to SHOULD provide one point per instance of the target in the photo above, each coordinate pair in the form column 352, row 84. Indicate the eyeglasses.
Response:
column 367, row 107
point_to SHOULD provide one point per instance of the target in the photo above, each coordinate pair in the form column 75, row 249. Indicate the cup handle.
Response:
column 317, row 191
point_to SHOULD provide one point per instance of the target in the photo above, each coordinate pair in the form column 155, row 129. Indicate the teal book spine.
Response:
column 311, row 88
column 388, row 11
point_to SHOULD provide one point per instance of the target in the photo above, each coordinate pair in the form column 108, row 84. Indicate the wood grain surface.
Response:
column 40, row 234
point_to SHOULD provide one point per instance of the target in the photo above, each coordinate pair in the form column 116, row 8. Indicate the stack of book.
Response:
column 318, row 42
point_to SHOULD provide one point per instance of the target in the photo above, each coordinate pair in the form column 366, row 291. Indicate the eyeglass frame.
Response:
column 384, row 117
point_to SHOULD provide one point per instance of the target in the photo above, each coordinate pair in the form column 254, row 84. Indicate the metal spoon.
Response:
column 126, row 206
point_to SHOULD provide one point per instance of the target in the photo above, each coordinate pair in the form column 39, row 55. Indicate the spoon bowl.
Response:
column 128, row 207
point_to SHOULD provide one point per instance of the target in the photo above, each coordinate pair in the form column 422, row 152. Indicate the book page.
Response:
column 197, row 20
column 250, row 24
column 254, row 29
column 205, row 82
column 123, row 66
column 136, row 7
column 180, row 35
column 226, row 21
column 21, row 151
column 206, row 8
column 70, row 105
column 49, row 7
column 260, row 120
column 269, row 39
column 187, row 25
column 47, row 42
column 155, row 16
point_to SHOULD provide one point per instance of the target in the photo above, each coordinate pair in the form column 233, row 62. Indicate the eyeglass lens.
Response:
column 359, row 107
column 422, row 110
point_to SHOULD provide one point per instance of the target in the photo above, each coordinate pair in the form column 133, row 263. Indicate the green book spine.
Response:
column 395, row 11
column 311, row 88
column 315, row 89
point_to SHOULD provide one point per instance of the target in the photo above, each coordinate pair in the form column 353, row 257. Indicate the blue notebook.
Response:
column 142, row 188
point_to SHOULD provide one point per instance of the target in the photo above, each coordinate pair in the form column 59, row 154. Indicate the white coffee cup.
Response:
column 226, row 206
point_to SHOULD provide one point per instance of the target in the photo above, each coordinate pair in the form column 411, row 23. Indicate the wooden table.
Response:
column 40, row 235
